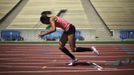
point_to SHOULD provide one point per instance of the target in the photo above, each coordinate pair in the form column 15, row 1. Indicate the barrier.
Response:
column 57, row 35
column 126, row 35
column 11, row 35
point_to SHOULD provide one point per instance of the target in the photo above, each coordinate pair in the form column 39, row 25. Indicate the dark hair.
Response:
column 44, row 18
column 46, row 12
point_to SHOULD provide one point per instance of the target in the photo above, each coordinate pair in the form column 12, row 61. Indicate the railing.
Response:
column 4, row 17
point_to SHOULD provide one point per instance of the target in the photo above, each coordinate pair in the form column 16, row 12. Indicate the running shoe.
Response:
column 95, row 51
column 72, row 62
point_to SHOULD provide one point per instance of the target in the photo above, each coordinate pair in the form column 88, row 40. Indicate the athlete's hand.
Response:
column 41, row 34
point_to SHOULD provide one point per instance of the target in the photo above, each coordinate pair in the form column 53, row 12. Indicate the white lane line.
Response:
column 52, row 71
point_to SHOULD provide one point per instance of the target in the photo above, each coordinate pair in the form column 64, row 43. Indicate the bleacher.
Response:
column 117, row 14
column 117, row 17
column 29, row 16
column 6, row 6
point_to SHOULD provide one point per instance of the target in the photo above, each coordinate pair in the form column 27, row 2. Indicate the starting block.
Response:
column 96, row 66
column 119, row 62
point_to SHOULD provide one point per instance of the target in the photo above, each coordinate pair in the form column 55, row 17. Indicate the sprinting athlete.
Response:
column 67, row 36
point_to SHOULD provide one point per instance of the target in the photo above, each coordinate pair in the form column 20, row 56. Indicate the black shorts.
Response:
column 64, row 38
column 71, row 30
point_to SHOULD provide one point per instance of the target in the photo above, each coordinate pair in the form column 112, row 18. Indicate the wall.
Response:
column 87, row 34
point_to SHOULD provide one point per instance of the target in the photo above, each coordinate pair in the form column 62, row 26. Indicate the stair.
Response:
column 102, row 31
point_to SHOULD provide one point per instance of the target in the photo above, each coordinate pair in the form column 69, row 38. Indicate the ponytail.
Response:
column 45, row 13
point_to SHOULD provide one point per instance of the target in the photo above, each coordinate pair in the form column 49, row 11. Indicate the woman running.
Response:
column 67, row 36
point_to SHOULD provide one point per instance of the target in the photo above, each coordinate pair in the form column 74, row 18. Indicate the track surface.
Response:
column 44, row 59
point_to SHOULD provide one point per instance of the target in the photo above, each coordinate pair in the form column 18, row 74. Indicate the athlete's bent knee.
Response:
column 61, row 47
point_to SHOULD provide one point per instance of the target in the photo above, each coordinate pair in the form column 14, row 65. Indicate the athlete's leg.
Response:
column 62, row 43
column 72, row 42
